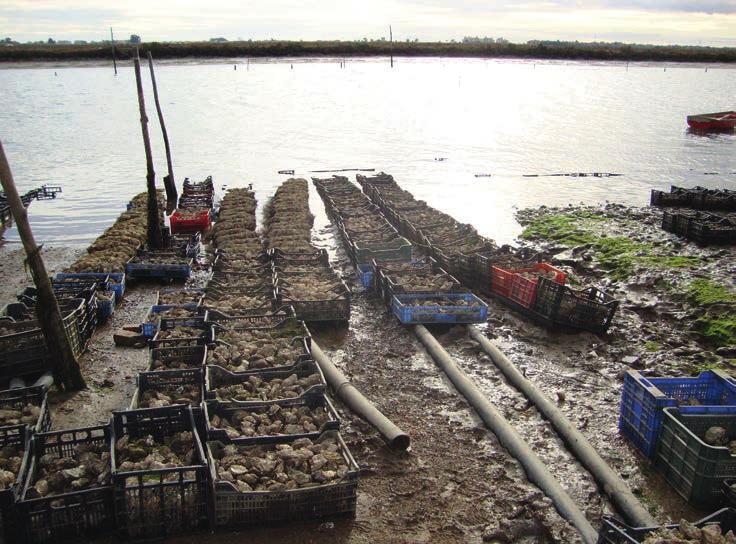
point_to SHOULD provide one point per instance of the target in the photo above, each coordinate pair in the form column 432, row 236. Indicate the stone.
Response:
column 129, row 339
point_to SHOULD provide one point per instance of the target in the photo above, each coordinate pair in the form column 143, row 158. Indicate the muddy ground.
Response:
column 456, row 484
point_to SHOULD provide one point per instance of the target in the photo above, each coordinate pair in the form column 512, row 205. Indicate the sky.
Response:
column 687, row 22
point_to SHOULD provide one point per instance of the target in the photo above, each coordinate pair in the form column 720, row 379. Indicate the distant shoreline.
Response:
column 337, row 49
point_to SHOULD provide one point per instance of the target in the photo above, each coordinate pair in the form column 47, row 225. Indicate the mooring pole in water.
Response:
column 112, row 42
column 155, row 239
column 391, row 47
column 169, row 182
column 63, row 359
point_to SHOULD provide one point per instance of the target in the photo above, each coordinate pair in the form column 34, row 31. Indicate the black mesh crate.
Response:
column 80, row 514
column 17, row 436
column 587, row 309
column 328, row 501
column 17, row 399
column 158, row 503
column 178, row 358
column 617, row 532
column 171, row 379
column 312, row 399
column 217, row 377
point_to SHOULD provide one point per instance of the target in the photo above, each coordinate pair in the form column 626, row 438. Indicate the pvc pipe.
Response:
column 612, row 484
column 346, row 392
column 535, row 470
column 46, row 380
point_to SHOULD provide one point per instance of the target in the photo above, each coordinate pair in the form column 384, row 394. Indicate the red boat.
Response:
column 725, row 120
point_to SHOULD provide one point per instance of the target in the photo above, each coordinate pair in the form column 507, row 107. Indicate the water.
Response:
column 77, row 126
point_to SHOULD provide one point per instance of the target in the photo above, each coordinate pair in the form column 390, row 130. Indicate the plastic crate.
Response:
column 643, row 399
column 10, row 528
column 191, row 356
column 24, row 353
column 195, row 293
column 225, row 409
column 143, row 270
column 179, row 225
column 255, row 319
column 523, row 290
column 397, row 249
column 216, row 377
column 105, row 306
column 335, row 308
column 365, row 274
column 693, row 468
column 233, row 508
column 286, row 326
column 318, row 257
column 410, row 315
column 151, row 324
column 163, row 379
column 617, row 532
column 152, row 504
column 587, row 309
column 662, row 198
column 16, row 399
column 115, row 280
column 173, row 342
column 71, row 516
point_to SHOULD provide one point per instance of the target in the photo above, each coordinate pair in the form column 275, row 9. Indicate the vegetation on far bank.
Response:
column 277, row 48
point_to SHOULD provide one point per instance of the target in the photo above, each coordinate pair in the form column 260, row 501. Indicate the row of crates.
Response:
column 666, row 419
column 701, row 227
column 516, row 278
column 195, row 208
column 368, row 236
column 700, row 198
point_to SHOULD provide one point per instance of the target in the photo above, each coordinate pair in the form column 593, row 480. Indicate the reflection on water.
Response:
column 508, row 119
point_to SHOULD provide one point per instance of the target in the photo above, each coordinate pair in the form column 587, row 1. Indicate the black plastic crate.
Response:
column 329, row 501
column 313, row 399
column 10, row 529
column 190, row 356
column 16, row 399
column 216, row 377
column 152, row 504
column 81, row 514
column 617, row 532
column 287, row 326
column 588, row 309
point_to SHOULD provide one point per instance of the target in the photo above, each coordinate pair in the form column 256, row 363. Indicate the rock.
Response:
column 129, row 339
column 132, row 328
column 630, row 360
column 716, row 436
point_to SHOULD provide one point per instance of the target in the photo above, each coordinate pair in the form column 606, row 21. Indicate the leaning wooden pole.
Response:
column 114, row 62
column 155, row 239
column 169, row 182
column 63, row 360
column 391, row 39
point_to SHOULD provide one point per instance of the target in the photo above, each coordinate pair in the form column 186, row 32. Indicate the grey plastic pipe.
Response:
column 346, row 392
column 535, row 470
column 612, row 484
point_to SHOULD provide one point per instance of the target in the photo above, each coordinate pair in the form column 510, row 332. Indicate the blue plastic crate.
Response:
column 117, row 284
column 365, row 274
column 105, row 308
column 643, row 399
column 410, row 315
column 149, row 328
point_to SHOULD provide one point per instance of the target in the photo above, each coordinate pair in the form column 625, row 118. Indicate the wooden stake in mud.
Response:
column 63, row 361
column 112, row 42
column 169, row 182
column 155, row 239
column 391, row 39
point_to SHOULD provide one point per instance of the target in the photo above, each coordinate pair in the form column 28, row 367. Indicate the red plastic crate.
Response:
column 189, row 226
column 520, row 289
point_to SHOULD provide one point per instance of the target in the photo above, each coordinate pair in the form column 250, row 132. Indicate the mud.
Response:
column 456, row 484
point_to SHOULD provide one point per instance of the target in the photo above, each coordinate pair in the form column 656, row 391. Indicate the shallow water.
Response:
column 78, row 126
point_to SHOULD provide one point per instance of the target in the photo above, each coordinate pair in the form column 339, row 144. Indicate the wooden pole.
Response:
column 63, row 360
column 155, row 239
column 114, row 63
column 391, row 39
column 169, row 182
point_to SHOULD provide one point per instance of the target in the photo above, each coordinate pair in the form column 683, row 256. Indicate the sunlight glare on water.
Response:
column 80, row 129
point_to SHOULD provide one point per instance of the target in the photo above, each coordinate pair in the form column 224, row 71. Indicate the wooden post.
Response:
column 63, row 360
column 391, row 38
column 155, row 239
column 169, row 182
column 114, row 63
